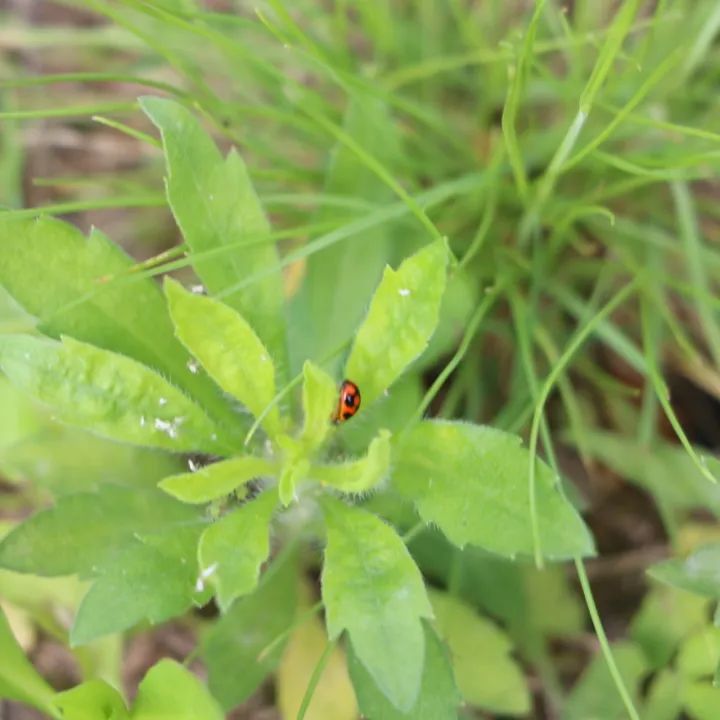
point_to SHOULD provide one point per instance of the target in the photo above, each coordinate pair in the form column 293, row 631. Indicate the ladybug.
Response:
column 348, row 402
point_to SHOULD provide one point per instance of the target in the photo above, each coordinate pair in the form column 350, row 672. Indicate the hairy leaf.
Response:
column 107, row 393
column 232, row 550
column 472, row 481
column 216, row 480
column 402, row 317
column 228, row 348
column 373, row 589
column 361, row 475
column 222, row 221
column 55, row 273
column 320, row 396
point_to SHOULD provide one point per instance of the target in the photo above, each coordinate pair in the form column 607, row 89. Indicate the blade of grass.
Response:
column 518, row 75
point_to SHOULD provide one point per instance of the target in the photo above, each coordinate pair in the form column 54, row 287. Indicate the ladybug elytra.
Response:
column 348, row 402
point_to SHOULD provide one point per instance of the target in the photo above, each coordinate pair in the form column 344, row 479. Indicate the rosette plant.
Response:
column 228, row 375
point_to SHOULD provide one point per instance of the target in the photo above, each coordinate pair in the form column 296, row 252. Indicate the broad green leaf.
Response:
column 232, row 549
column 55, row 273
column 595, row 695
column 472, row 481
column 320, row 396
column 92, row 700
column 18, row 678
column 698, row 573
column 107, row 393
column 65, row 459
column 665, row 618
column 171, row 692
column 702, row 700
column 358, row 476
column 438, row 698
column 699, row 654
column 402, row 317
column 340, row 279
column 81, row 532
column 486, row 675
column 216, row 480
column 151, row 579
column 223, row 223
column 373, row 589
column 246, row 643
column 228, row 348
column 333, row 696
column 664, row 697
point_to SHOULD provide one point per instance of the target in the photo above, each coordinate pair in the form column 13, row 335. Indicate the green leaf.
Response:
column 698, row 573
column 320, row 395
column 151, row 579
column 664, row 697
column 340, row 278
column 665, row 618
column 138, row 546
column 699, row 654
column 702, row 700
column 18, row 678
column 92, row 700
column 472, row 482
column 485, row 673
column 402, row 317
column 228, row 348
column 82, row 531
column 170, row 692
column 54, row 272
column 372, row 588
column 595, row 695
column 438, row 698
column 218, row 212
column 107, row 393
column 232, row 550
column 216, row 480
column 359, row 475
column 250, row 635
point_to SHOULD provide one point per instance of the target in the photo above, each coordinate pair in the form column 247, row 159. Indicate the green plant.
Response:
column 562, row 155
column 151, row 558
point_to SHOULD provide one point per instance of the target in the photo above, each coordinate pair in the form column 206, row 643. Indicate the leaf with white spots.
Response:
column 232, row 550
column 222, row 221
column 108, row 394
column 402, row 317
column 228, row 348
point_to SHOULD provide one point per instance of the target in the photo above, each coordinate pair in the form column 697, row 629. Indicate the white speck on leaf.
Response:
column 204, row 575
column 143, row 421
column 192, row 465
column 197, row 289
column 162, row 401
column 404, row 292
column 192, row 366
column 169, row 427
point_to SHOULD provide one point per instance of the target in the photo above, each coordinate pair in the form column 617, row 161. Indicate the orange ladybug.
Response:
column 348, row 402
